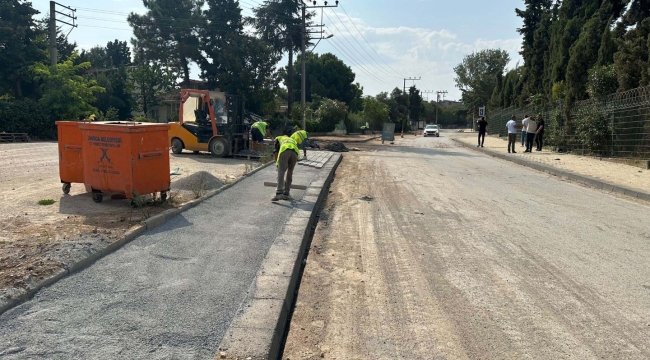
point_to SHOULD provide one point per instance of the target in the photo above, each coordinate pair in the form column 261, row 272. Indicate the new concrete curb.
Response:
column 129, row 235
column 581, row 179
column 258, row 330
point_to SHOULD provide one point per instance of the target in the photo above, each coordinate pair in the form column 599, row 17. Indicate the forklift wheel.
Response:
column 219, row 147
column 177, row 146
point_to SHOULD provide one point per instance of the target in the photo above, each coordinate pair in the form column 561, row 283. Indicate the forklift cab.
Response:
column 209, row 121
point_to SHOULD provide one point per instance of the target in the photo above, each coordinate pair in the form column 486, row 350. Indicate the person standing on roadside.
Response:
column 512, row 133
column 539, row 140
column 482, row 130
column 531, row 129
column 286, row 156
column 524, row 124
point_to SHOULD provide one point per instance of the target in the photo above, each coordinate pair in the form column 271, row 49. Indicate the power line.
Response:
column 370, row 56
column 347, row 56
column 346, row 39
column 346, row 14
column 357, row 61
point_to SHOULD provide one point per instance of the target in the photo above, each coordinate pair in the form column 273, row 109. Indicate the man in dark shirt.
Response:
column 539, row 140
column 482, row 130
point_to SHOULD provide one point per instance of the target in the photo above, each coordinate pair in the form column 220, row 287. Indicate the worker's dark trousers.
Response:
column 539, row 141
column 529, row 141
column 288, row 160
column 481, row 138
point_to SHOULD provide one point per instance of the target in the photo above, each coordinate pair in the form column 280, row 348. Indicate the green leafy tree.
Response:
column 149, row 81
column 632, row 59
column 279, row 23
column 477, row 74
column 168, row 33
column 65, row 93
column 602, row 81
column 375, row 113
column 329, row 77
column 536, row 20
column 19, row 46
column 330, row 113
column 118, row 94
column 235, row 62
column 415, row 104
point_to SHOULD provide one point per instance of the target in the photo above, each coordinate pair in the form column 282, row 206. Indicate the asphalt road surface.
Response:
column 169, row 294
column 431, row 251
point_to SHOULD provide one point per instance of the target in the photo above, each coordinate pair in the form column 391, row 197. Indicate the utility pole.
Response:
column 427, row 92
column 409, row 79
column 53, row 21
column 414, row 79
column 303, row 87
column 438, row 102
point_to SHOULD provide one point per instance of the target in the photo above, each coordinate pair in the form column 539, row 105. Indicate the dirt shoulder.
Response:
column 39, row 240
column 600, row 168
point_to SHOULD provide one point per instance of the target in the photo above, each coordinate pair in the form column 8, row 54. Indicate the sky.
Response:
column 383, row 41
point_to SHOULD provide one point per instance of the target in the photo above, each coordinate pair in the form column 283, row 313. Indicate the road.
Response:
column 427, row 250
column 169, row 294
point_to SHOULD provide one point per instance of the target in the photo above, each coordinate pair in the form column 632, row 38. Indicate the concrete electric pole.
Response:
column 438, row 102
column 53, row 21
column 303, row 87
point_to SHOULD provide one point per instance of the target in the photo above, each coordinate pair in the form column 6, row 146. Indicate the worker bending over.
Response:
column 258, row 131
column 301, row 137
column 286, row 156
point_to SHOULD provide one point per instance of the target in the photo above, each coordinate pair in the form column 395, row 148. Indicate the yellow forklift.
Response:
column 216, row 125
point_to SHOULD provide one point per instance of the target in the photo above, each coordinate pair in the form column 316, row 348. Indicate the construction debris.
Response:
column 312, row 144
column 336, row 147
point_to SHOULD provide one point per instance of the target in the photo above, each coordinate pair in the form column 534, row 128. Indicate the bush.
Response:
column 26, row 116
column 593, row 129
column 602, row 81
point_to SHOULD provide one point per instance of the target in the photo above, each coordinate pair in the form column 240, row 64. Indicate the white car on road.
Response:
column 431, row 130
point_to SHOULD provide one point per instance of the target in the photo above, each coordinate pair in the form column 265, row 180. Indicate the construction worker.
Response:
column 301, row 137
column 286, row 156
column 258, row 130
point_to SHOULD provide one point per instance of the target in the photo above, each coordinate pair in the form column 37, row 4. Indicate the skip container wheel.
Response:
column 66, row 188
column 97, row 197
column 163, row 196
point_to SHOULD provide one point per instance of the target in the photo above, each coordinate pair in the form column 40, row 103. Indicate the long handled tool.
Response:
column 297, row 187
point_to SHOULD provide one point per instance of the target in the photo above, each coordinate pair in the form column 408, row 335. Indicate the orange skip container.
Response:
column 125, row 157
column 71, row 166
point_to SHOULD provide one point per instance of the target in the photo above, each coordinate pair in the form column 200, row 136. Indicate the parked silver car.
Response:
column 431, row 130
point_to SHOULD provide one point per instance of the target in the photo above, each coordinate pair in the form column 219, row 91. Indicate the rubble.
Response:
column 336, row 147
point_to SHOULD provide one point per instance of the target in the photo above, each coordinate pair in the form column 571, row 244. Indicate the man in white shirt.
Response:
column 524, row 125
column 531, row 130
column 512, row 133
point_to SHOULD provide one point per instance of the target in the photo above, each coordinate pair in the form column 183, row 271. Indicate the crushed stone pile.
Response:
column 202, row 179
column 336, row 147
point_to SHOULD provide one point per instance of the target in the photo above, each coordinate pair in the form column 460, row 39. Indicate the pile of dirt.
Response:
column 336, row 147
column 200, row 180
column 312, row 144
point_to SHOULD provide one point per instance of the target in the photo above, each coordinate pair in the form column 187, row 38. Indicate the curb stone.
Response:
column 260, row 325
column 581, row 179
column 129, row 235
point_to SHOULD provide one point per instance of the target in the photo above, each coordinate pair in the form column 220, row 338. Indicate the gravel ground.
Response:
column 430, row 250
column 37, row 241
column 169, row 294
column 610, row 171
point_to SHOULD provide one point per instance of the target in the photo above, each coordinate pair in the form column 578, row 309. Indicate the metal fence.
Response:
column 617, row 125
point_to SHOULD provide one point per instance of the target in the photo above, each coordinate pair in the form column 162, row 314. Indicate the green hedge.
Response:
column 26, row 116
